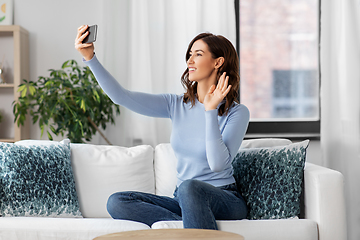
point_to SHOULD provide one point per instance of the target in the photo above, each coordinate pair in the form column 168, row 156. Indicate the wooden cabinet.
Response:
column 14, row 49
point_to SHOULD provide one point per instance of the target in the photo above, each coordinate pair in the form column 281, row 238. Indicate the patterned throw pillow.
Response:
column 37, row 180
column 270, row 179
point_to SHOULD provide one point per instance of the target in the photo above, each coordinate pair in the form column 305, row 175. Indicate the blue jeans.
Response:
column 196, row 203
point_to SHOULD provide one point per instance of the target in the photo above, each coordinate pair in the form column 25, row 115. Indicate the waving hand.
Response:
column 216, row 94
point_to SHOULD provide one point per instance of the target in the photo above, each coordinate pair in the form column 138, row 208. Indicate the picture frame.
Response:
column 6, row 12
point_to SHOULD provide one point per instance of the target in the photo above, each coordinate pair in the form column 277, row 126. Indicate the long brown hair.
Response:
column 219, row 46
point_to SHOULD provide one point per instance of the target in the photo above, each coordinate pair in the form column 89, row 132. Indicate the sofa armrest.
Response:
column 324, row 201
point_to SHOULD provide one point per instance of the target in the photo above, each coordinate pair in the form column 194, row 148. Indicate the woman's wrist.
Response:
column 210, row 109
column 89, row 57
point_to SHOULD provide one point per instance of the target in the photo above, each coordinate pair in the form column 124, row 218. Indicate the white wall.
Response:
column 52, row 27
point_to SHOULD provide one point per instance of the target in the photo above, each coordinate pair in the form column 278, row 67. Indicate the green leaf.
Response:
column 48, row 83
column 32, row 90
column 23, row 93
column 35, row 118
column 83, row 105
column 42, row 130
column 66, row 64
column 63, row 75
column 96, row 94
column 81, row 127
column 49, row 136
column 53, row 129
column 22, row 87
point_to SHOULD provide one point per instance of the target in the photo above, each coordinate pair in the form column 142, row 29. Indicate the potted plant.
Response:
column 68, row 101
column 1, row 117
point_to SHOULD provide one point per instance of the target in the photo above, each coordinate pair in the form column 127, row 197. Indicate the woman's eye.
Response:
column 196, row 55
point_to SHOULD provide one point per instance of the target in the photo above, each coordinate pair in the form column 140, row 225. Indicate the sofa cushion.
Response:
column 280, row 229
column 34, row 228
column 165, row 170
column 103, row 170
column 37, row 180
column 270, row 179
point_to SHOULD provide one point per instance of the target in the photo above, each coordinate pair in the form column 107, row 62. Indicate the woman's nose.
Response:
column 190, row 60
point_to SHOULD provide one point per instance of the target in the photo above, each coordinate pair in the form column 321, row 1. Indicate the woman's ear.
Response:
column 219, row 62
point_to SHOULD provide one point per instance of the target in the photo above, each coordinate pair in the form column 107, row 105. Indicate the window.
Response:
column 278, row 48
column 295, row 94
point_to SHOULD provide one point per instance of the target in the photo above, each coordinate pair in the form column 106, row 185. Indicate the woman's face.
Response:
column 201, row 64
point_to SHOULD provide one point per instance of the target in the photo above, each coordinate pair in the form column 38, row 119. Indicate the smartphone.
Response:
column 91, row 37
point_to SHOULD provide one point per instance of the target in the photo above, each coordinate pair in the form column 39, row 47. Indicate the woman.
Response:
column 208, row 126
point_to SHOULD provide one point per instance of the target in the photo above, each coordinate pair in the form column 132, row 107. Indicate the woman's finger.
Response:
column 78, row 32
column 83, row 37
column 79, row 42
column 81, row 30
column 227, row 91
column 84, row 45
column 221, row 81
column 80, row 45
column 225, row 84
column 211, row 89
column 81, row 27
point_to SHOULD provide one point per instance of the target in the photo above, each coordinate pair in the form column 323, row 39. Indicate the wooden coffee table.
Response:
column 172, row 234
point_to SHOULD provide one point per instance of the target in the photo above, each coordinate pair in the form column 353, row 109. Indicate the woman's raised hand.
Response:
column 86, row 49
column 216, row 94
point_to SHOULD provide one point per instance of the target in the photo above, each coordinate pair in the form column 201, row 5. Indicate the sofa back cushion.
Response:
column 165, row 170
column 103, row 170
column 165, row 162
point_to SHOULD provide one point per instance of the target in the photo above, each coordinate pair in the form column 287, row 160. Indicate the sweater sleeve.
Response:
column 153, row 105
column 221, row 147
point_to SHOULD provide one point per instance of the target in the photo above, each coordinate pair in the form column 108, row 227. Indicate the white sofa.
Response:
column 101, row 170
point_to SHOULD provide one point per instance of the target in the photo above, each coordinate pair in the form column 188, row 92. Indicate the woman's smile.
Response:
column 200, row 63
column 191, row 69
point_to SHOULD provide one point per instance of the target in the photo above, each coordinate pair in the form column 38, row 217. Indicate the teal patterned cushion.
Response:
column 37, row 180
column 270, row 179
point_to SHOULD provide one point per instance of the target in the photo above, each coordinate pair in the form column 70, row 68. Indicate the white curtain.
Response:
column 142, row 43
column 340, row 102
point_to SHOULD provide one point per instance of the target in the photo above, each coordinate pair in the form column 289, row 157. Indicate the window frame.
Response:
column 296, row 129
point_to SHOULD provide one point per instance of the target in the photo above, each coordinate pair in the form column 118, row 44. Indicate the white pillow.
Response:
column 103, row 170
column 264, row 142
column 165, row 170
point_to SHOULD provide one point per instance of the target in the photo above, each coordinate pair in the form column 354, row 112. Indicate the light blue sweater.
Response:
column 204, row 143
